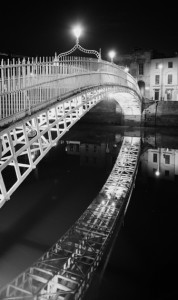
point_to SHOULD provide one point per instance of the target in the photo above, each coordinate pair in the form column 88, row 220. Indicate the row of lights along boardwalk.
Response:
column 40, row 101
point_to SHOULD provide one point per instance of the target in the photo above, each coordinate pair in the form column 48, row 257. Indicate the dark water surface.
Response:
column 143, row 263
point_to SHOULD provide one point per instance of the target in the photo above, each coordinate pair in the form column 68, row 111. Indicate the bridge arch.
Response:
column 26, row 142
column 141, row 85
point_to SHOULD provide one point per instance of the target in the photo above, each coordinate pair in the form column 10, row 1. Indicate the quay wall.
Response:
column 160, row 114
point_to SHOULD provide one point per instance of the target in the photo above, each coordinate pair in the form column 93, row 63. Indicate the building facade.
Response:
column 156, row 77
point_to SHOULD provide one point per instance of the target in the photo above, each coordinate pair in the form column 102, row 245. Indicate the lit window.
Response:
column 167, row 159
column 154, row 157
column 157, row 79
column 170, row 64
column 169, row 79
column 140, row 69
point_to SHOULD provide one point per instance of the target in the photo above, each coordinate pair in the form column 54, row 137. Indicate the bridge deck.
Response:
column 65, row 271
column 29, row 83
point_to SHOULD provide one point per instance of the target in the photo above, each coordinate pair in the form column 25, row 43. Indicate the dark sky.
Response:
column 45, row 27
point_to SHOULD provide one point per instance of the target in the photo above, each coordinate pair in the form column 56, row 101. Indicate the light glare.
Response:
column 157, row 173
column 112, row 54
column 77, row 31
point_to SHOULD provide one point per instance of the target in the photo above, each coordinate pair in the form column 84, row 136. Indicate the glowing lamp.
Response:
column 126, row 69
column 111, row 55
column 77, row 31
column 157, row 173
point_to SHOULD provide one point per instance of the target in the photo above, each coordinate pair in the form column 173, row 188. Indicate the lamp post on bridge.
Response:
column 112, row 54
column 77, row 32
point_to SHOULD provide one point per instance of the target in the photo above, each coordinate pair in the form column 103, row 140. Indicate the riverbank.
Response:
column 161, row 114
column 154, row 114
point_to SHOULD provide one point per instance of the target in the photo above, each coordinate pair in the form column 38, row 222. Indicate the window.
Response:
column 154, row 157
column 167, row 159
column 169, row 94
column 170, row 64
column 157, row 79
column 157, row 66
column 77, row 148
column 140, row 69
column 86, row 148
column 169, row 79
column 156, row 94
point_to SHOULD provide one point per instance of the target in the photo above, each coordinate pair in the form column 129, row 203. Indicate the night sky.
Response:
column 36, row 28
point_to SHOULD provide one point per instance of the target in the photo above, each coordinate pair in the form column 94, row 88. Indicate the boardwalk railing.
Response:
column 27, row 83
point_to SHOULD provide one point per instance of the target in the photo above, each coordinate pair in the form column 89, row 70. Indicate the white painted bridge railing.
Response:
column 27, row 83
column 65, row 271
column 24, row 143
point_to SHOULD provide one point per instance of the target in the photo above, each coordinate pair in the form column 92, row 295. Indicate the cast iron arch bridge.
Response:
column 40, row 101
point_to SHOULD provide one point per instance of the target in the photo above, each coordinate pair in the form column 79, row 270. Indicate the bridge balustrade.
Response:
column 28, row 83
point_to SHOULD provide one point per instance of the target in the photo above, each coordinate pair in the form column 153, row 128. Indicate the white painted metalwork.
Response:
column 66, row 270
column 25, row 143
column 36, row 82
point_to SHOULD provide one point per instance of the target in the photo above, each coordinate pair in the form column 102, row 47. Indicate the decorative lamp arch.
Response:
column 78, row 46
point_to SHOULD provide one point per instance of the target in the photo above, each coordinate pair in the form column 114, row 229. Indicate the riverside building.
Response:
column 156, row 77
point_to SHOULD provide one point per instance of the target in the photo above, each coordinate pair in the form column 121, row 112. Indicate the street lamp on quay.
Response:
column 157, row 173
column 160, row 66
column 126, row 69
column 112, row 54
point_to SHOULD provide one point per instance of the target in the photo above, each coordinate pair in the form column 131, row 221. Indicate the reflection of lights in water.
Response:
column 113, row 204
column 107, row 148
column 103, row 202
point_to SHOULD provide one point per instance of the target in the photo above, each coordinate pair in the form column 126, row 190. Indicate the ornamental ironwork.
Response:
column 78, row 46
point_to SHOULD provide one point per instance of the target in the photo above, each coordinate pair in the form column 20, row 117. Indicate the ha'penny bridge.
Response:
column 41, row 99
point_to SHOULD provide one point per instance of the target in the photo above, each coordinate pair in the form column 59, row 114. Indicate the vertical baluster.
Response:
column 46, row 71
column 28, row 72
column 18, row 83
column 2, row 75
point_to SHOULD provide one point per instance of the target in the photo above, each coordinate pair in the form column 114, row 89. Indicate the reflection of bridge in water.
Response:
column 40, row 101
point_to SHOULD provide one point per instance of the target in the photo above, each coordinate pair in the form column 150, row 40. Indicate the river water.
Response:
column 57, row 192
